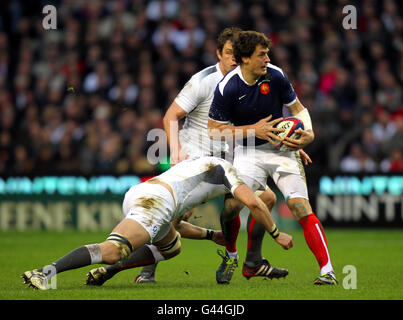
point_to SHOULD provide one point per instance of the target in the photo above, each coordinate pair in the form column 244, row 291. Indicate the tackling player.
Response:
column 247, row 98
column 149, row 209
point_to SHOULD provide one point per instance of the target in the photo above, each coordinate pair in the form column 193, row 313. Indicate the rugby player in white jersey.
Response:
column 149, row 209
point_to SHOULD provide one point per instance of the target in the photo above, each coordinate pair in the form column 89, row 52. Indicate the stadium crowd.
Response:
column 82, row 98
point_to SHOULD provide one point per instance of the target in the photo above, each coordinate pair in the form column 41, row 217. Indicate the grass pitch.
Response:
column 377, row 256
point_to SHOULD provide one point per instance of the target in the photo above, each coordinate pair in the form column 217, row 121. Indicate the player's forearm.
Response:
column 218, row 130
column 190, row 231
column 262, row 215
column 307, row 135
column 256, row 206
column 299, row 111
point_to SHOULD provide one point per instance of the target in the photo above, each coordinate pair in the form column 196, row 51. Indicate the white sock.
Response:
column 232, row 254
column 326, row 268
column 95, row 253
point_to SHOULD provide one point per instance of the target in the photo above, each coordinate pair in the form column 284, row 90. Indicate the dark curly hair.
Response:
column 225, row 35
column 245, row 43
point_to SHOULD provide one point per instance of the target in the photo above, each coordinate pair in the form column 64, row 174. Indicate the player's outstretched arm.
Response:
column 263, row 129
column 262, row 215
column 190, row 231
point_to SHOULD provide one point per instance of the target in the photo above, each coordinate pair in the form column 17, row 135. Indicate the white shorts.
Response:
column 151, row 205
column 285, row 168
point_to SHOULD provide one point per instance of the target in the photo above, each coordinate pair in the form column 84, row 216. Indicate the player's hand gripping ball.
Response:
column 289, row 125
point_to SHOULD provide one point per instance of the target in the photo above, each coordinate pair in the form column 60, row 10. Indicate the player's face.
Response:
column 258, row 61
column 226, row 57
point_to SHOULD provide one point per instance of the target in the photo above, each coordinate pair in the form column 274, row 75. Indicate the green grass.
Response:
column 376, row 254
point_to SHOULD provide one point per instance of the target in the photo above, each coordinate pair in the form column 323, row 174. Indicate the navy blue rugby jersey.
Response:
column 237, row 102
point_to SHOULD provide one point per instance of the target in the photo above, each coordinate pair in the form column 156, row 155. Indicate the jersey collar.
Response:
column 219, row 69
column 239, row 72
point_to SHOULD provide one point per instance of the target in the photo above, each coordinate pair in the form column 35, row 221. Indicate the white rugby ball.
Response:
column 289, row 125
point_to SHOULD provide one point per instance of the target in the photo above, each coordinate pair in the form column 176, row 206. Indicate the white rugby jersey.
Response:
column 196, row 181
column 196, row 98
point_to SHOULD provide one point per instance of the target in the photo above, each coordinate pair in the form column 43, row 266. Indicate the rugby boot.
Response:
column 264, row 269
column 226, row 268
column 328, row 278
column 35, row 279
column 145, row 277
column 146, row 274
column 98, row 276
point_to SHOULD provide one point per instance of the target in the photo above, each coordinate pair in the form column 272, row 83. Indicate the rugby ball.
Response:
column 289, row 125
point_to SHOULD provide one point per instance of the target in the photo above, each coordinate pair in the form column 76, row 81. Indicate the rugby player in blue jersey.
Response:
column 249, row 101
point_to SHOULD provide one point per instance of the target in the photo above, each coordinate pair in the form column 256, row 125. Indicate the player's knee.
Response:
column 299, row 207
column 117, row 247
column 110, row 253
column 232, row 207
column 269, row 198
column 172, row 248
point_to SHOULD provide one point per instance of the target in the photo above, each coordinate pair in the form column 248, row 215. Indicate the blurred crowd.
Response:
column 82, row 98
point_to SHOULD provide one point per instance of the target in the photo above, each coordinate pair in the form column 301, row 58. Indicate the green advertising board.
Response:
column 78, row 212
column 90, row 204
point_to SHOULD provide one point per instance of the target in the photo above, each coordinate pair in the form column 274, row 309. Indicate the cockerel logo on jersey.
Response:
column 264, row 88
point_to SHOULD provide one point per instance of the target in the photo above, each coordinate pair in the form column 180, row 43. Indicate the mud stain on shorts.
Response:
column 149, row 204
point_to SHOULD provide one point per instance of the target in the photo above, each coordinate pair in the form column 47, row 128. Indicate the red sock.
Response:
column 250, row 228
column 232, row 230
column 315, row 238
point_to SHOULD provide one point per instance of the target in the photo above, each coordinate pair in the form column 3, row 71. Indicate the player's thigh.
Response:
column 133, row 231
column 250, row 167
column 150, row 205
column 291, row 185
